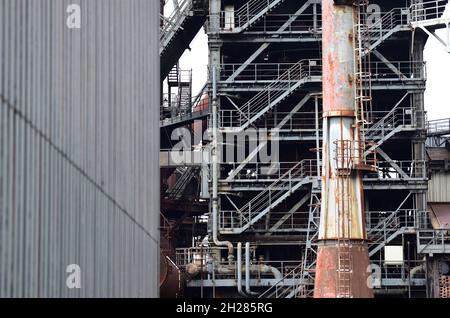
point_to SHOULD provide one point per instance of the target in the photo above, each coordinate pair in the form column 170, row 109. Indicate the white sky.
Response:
column 437, row 96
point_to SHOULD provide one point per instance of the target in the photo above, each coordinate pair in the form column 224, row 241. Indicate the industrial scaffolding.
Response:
column 247, row 227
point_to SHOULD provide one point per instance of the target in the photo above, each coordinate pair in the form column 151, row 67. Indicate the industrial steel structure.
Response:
column 307, row 173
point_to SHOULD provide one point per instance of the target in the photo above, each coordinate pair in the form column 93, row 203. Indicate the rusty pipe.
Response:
column 342, row 224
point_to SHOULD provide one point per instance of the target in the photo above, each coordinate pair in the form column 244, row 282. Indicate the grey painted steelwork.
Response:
column 79, row 148
column 263, row 87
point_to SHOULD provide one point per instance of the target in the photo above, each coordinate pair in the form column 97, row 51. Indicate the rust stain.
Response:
column 327, row 278
column 342, row 194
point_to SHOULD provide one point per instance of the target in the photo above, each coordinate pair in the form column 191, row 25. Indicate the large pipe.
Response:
column 195, row 268
column 416, row 270
column 239, row 269
column 247, row 270
column 342, row 260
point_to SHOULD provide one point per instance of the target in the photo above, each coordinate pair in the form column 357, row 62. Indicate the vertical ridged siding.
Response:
column 79, row 148
column 439, row 187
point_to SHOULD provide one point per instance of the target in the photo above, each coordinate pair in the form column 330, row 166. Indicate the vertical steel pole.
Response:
column 215, row 150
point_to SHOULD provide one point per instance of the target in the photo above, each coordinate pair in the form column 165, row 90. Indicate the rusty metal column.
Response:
column 340, row 124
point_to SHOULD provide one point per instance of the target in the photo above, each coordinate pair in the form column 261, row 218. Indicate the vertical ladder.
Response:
column 344, row 167
column 362, row 74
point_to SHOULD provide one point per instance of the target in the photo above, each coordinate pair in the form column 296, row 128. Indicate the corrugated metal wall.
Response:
column 79, row 148
column 439, row 187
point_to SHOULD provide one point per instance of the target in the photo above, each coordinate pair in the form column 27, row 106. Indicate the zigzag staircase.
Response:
column 383, row 233
column 264, row 143
column 187, row 174
column 272, row 95
column 389, row 24
column 179, row 30
column 266, row 200
column 399, row 19
column 397, row 120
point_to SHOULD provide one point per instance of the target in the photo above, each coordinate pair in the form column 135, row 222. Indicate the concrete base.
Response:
column 326, row 281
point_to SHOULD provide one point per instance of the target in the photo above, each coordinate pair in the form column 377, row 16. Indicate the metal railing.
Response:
column 246, row 15
column 281, row 87
column 268, row 72
column 282, row 290
column 400, row 170
column 402, row 70
column 428, row 10
column 375, row 33
column 397, row 18
column 288, row 221
column 253, row 210
column 397, row 273
column 187, row 255
column 382, row 227
column 393, row 170
column 386, row 122
column 375, row 220
column 288, row 72
column 270, row 24
column 273, row 171
column 172, row 23
column 264, row 72
column 398, row 117
column 381, row 29
column 433, row 241
column 382, row 233
column 284, row 121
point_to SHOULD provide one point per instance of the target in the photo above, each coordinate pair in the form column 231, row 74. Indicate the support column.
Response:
column 418, row 104
column 214, row 75
column 343, row 259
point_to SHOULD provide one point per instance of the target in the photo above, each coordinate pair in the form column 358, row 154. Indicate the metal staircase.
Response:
column 264, row 143
column 238, row 221
column 390, row 227
column 177, row 104
column 199, row 109
column 272, row 95
column 389, row 24
column 178, row 31
column 304, row 273
column 402, row 19
column 379, row 236
column 397, row 120
column 187, row 174
column 282, row 290
column 249, row 14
